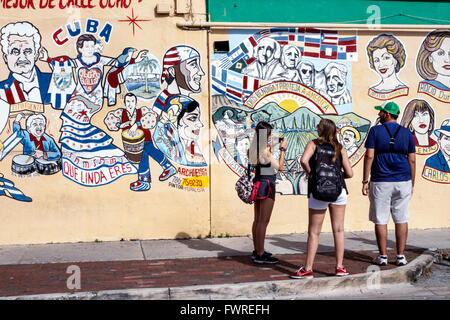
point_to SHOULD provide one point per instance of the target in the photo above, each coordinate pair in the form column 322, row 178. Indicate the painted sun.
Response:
column 289, row 105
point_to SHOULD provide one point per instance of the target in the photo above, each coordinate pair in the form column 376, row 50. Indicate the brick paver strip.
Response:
column 95, row 276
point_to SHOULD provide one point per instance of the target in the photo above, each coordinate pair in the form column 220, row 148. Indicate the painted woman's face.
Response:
column 384, row 62
column 88, row 49
column 242, row 146
column 191, row 124
column 421, row 122
column 441, row 58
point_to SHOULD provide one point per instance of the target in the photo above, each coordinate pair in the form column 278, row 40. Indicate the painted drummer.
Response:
column 135, row 121
column 36, row 142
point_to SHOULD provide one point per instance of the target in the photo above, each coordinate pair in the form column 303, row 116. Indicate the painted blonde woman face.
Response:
column 441, row 58
column 421, row 122
column 384, row 62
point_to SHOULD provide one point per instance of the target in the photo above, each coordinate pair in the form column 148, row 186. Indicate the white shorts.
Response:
column 389, row 197
column 315, row 204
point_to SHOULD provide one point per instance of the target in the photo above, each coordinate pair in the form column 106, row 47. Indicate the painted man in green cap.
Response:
column 391, row 162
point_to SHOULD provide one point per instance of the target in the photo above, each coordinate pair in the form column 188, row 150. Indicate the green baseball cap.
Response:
column 390, row 107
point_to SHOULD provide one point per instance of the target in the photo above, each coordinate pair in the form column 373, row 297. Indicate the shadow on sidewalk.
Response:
column 207, row 245
column 324, row 260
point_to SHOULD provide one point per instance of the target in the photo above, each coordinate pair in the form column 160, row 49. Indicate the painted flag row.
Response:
column 232, row 84
column 312, row 42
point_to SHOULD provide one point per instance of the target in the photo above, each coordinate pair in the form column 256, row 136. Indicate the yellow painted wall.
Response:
column 290, row 214
column 63, row 211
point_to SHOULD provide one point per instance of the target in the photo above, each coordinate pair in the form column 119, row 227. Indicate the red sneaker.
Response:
column 140, row 186
column 341, row 272
column 167, row 174
column 302, row 274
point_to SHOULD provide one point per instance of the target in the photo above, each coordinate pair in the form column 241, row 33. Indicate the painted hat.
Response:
column 390, row 107
column 356, row 132
column 176, row 55
column 445, row 128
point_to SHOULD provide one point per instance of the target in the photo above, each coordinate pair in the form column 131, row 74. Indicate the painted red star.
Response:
column 133, row 20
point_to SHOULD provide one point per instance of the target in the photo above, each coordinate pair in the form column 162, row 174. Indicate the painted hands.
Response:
column 141, row 55
column 43, row 54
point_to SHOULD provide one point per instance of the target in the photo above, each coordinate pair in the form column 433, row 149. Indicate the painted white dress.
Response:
column 80, row 139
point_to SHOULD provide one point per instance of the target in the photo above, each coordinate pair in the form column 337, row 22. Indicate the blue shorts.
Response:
column 265, row 186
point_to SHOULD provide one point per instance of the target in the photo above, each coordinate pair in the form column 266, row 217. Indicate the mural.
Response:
column 437, row 166
column 40, row 152
column 88, row 152
column 178, row 126
column 137, row 140
column 142, row 78
column 167, row 131
column 305, row 55
column 433, row 65
column 387, row 56
column 290, row 78
column 25, row 89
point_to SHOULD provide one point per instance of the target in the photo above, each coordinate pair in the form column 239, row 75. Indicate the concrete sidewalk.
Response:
column 201, row 268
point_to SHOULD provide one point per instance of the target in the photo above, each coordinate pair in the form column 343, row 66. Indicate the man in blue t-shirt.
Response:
column 391, row 160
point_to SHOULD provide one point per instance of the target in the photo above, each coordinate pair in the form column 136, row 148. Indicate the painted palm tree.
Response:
column 148, row 65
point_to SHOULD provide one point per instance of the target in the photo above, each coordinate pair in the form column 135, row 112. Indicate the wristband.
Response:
column 365, row 182
column 282, row 149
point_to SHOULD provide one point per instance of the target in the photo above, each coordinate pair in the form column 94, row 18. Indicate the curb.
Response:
column 361, row 283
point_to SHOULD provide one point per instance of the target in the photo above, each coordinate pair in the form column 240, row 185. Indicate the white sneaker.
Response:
column 401, row 260
column 381, row 260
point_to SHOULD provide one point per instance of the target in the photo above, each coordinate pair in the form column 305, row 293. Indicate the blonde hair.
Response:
column 430, row 44
column 392, row 45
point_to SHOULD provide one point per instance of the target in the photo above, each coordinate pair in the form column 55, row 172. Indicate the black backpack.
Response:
column 326, row 176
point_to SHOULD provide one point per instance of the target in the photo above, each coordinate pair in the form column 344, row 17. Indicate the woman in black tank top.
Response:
column 332, row 155
column 266, row 167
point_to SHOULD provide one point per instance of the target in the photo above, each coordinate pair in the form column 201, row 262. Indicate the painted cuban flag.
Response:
column 8, row 189
column 62, row 83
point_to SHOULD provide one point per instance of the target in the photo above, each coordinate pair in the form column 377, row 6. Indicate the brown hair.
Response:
column 255, row 149
column 84, row 37
column 392, row 45
column 430, row 44
column 326, row 129
column 411, row 108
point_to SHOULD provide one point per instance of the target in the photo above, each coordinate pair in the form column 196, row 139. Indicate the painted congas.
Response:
column 23, row 164
column 133, row 146
column 47, row 167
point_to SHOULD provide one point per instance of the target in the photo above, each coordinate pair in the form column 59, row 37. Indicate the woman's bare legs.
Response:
column 337, row 213
column 263, row 211
column 314, row 227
